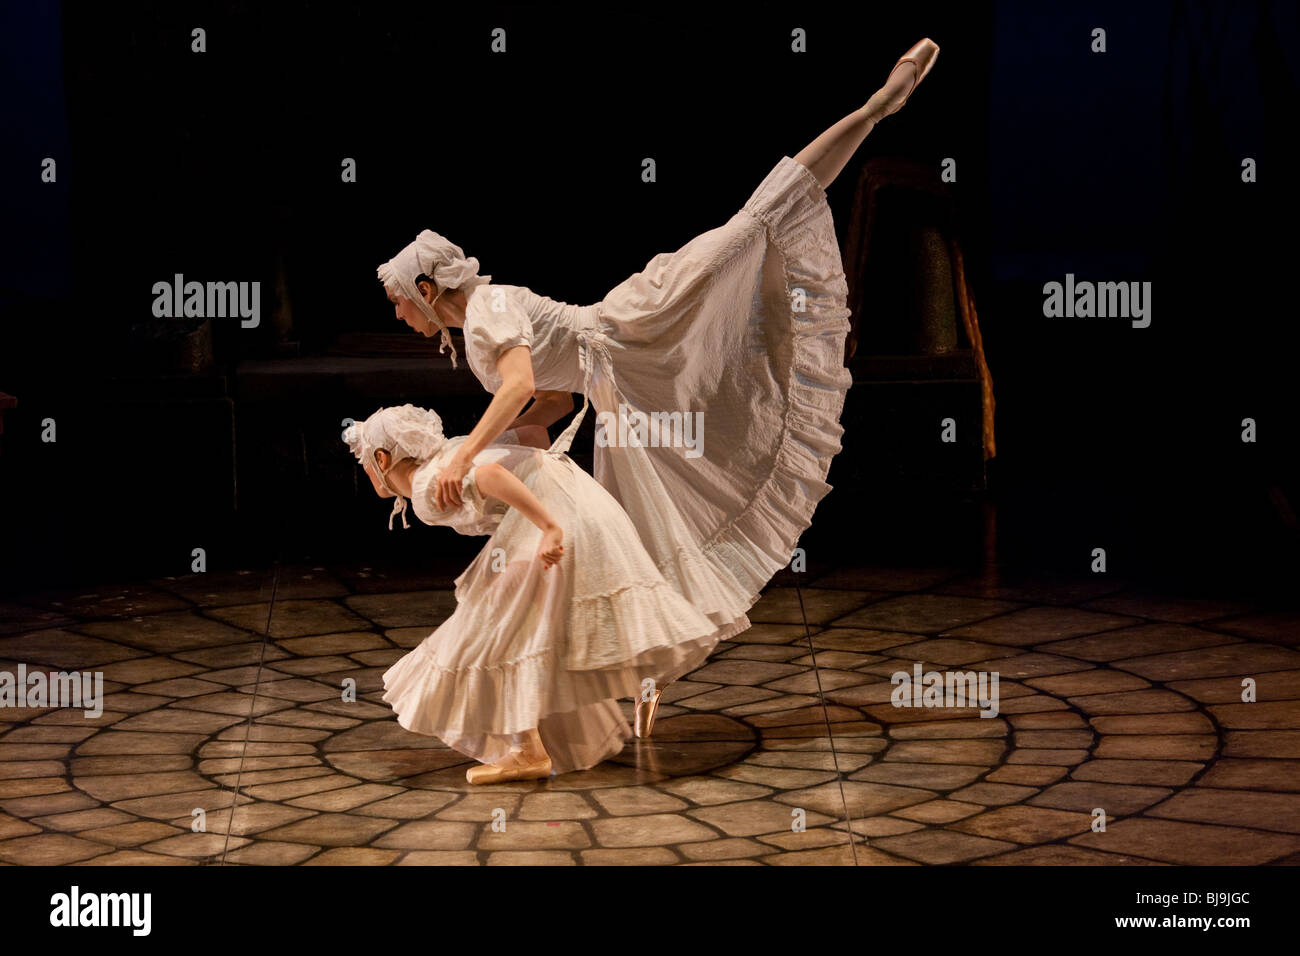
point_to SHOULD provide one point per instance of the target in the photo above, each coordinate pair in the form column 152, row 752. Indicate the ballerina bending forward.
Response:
column 746, row 323
column 561, row 614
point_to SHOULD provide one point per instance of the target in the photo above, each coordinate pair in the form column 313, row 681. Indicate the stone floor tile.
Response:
column 1262, row 743
column 1024, row 824
column 357, row 856
column 959, row 751
column 941, row 846
column 1056, row 855
column 556, row 806
column 531, row 858
column 746, row 672
column 838, row 855
column 1171, row 773
column 863, row 798
column 755, row 817
column 1190, row 844
column 1250, row 774
column 860, row 640
column 928, row 776
column 820, row 605
column 1158, row 746
column 1261, row 715
column 925, row 613
column 553, row 835
column 409, row 805
column 1276, row 627
column 1030, row 775
column 633, row 801
column 1137, row 641
column 636, row 856
column 1049, row 757
column 1260, row 811
column 710, row 791
column 1041, row 625
column 441, row 858
column 347, row 798
column 1132, row 702
column 268, row 853
column 132, row 834
column 1147, row 724
column 64, row 650
column 939, row 729
column 336, row 829
column 1235, row 660
column 409, row 609
column 50, row 849
column 810, row 839
column 1083, row 796
column 80, row 820
column 939, row 811
column 993, row 794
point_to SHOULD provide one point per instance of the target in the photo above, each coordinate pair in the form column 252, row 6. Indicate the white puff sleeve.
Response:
column 494, row 321
column 476, row 513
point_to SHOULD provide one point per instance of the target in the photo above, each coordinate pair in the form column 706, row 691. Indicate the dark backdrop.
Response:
column 226, row 165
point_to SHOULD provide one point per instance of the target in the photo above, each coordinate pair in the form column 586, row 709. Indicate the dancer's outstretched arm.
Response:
column 515, row 366
column 499, row 483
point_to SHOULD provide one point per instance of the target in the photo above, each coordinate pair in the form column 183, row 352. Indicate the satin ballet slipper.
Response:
column 922, row 56
column 644, row 720
column 505, row 772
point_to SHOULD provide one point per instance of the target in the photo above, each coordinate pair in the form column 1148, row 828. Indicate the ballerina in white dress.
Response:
column 742, row 330
column 561, row 614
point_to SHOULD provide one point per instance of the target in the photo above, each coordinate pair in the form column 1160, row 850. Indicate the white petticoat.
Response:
column 553, row 649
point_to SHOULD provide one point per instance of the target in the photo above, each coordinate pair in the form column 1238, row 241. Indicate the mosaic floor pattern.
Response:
column 223, row 695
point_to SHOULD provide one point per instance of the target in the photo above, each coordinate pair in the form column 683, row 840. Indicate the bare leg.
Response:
column 828, row 154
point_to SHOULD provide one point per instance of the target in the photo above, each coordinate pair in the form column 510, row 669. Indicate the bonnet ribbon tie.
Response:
column 591, row 347
column 399, row 507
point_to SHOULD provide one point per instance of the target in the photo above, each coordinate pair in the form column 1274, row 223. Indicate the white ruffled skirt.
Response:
column 743, row 327
column 552, row 649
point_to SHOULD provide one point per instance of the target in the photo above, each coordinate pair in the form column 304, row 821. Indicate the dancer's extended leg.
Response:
column 830, row 152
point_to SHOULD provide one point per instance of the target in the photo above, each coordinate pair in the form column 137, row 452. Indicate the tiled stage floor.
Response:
column 224, row 691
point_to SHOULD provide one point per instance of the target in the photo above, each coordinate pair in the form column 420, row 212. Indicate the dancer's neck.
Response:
column 450, row 309
column 399, row 476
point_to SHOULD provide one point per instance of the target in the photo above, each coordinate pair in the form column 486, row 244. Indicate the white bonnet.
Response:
column 404, row 431
column 444, row 262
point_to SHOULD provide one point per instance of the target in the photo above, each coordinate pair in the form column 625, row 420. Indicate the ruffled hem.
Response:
column 791, row 205
column 475, row 709
column 694, row 577
column 635, row 612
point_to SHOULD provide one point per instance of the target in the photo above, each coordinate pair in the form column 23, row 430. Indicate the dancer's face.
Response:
column 410, row 313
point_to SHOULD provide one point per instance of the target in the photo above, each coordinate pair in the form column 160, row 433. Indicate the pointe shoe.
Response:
column 503, row 773
column 644, row 720
column 922, row 56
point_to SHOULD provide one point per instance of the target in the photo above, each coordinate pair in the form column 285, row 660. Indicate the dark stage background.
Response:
column 225, row 165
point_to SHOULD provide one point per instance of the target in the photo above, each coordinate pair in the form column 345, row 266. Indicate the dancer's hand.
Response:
column 446, row 493
column 552, row 547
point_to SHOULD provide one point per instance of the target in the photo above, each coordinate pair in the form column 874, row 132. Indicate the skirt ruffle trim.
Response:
column 638, row 613
column 791, row 205
column 475, row 709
